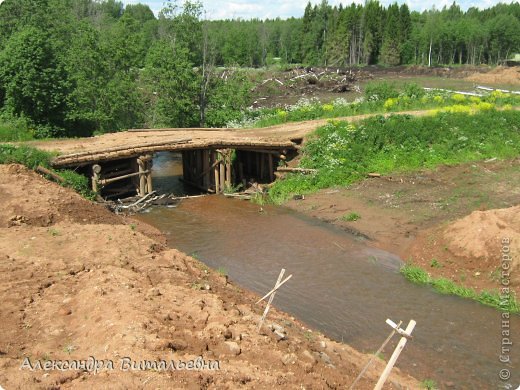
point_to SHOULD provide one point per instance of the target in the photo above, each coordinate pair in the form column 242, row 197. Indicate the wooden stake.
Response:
column 407, row 333
column 272, row 293
column 374, row 356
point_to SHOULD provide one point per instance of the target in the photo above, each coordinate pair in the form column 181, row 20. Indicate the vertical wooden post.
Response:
column 222, row 175
column 395, row 355
column 149, row 185
column 205, row 168
column 142, row 175
column 96, row 170
column 184, row 165
column 271, row 167
column 228, row 169
column 216, row 173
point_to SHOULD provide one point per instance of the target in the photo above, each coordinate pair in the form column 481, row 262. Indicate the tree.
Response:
column 34, row 79
column 173, row 86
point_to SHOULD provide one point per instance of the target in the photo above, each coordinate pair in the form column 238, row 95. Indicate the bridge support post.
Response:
column 144, row 164
column 96, row 170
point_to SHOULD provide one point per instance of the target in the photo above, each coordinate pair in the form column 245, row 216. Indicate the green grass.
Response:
column 351, row 217
column 14, row 131
column 343, row 153
column 32, row 158
column 417, row 275
column 379, row 98
column 429, row 384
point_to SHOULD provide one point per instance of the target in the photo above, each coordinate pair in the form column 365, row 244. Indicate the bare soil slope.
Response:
column 77, row 281
column 456, row 215
column 499, row 75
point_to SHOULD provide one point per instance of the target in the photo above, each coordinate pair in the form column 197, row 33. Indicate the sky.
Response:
column 247, row 9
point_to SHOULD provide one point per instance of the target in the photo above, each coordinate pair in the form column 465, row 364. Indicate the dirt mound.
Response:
column 499, row 75
column 72, row 287
column 470, row 249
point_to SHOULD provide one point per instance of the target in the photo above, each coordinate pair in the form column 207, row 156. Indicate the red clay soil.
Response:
column 77, row 281
column 499, row 75
column 450, row 220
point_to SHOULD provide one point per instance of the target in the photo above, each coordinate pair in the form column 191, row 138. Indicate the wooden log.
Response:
column 135, row 151
column 228, row 170
column 262, row 166
column 105, row 182
column 222, row 175
column 299, row 170
column 49, row 173
column 96, row 171
column 205, row 168
column 374, row 175
column 109, row 175
column 127, row 147
column 241, row 177
column 149, row 183
column 216, row 172
column 271, row 167
column 181, row 129
column 142, row 177
column 275, row 153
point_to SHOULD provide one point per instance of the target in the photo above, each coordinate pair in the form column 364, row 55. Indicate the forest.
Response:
column 82, row 67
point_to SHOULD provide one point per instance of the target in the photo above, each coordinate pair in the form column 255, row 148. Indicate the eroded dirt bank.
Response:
column 450, row 220
column 77, row 281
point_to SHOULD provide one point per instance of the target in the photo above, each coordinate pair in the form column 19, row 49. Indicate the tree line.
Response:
column 370, row 34
column 76, row 67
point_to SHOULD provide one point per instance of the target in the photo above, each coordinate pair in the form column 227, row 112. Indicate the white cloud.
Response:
column 247, row 9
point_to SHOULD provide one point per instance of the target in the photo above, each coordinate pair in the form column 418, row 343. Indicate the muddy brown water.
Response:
column 341, row 286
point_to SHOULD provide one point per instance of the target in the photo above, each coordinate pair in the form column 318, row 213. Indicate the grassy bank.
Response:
column 445, row 286
column 344, row 153
column 378, row 98
column 32, row 158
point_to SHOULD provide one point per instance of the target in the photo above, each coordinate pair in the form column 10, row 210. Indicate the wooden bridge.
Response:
column 213, row 159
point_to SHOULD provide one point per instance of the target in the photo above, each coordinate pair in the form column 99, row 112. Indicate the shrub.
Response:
column 377, row 91
column 413, row 91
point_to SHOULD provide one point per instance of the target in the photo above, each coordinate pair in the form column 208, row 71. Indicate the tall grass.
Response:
column 14, row 131
column 344, row 153
column 445, row 286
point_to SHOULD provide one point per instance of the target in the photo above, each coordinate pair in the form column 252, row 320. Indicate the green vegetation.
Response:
column 344, row 153
column 32, row 158
column 435, row 264
column 351, row 217
column 429, row 384
column 380, row 97
column 445, row 286
column 83, row 67
column 355, row 34
column 222, row 271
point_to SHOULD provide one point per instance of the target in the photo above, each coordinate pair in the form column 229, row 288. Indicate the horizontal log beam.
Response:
column 104, row 182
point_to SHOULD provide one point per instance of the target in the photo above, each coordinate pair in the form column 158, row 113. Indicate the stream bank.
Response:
column 78, row 281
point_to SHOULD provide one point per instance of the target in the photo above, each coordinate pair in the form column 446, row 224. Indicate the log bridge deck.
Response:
column 213, row 159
